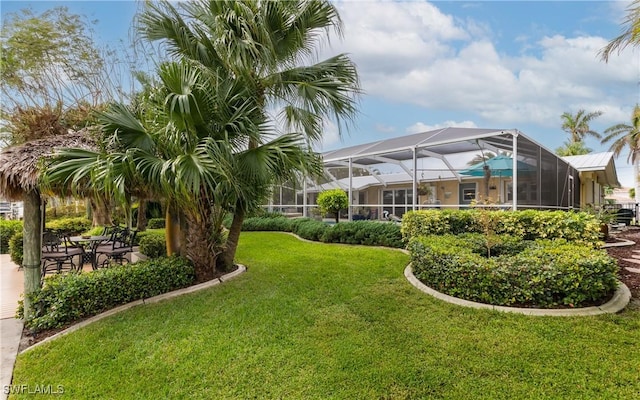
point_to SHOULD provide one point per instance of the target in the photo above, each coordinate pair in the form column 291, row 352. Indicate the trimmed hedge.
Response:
column 309, row 229
column 66, row 298
column 153, row 244
column 72, row 226
column 542, row 273
column 281, row 224
column 156, row 223
column 8, row 228
column 16, row 248
column 370, row 233
column 578, row 227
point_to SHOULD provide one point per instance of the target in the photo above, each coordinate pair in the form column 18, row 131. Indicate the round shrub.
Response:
column 16, row 248
column 541, row 273
column 8, row 228
column 156, row 223
column 332, row 201
column 153, row 245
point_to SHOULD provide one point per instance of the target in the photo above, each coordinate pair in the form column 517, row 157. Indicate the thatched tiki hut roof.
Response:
column 20, row 168
column 20, row 165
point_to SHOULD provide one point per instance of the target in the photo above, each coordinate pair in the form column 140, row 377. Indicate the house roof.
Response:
column 438, row 143
column 600, row 163
column 363, row 182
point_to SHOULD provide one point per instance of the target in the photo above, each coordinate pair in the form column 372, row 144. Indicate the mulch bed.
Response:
column 631, row 279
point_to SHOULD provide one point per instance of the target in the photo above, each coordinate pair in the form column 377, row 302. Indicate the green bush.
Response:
column 149, row 232
column 156, row 223
column 16, row 248
column 370, row 233
column 153, row 245
column 67, row 298
column 95, row 231
column 332, row 201
column 72, row 226
column 66, row 211
column 542, row 273
column 309, row 229
column 280, row 223
column 8, row 228
column 578, row 227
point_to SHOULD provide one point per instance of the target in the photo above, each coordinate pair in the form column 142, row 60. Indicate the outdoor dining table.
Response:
column 90, row 244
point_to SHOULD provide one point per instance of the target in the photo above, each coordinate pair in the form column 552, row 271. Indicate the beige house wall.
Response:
column 590, row 190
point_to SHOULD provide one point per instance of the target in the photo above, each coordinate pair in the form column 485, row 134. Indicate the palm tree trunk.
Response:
column 31, row 248
column 101, row 211
column 172, row 231
column 229, row 253
column 141, row 220
column 200, row 244
column 636, row 179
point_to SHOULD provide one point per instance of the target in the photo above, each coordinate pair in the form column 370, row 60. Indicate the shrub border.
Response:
column 621, row 298
column 150, row 300
column 618, row 302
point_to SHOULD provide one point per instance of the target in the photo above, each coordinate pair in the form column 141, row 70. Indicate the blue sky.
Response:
column 488, row 64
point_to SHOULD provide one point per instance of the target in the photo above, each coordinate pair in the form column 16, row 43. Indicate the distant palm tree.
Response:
column 627, row 136
column 630, row 35
column 486, row 156
column 577, row 126
column 572, row 149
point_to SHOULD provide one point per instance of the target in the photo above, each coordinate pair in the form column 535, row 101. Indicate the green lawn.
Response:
column 311, row 320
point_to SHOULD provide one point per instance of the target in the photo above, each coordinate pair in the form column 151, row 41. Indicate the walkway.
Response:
column 11, row 285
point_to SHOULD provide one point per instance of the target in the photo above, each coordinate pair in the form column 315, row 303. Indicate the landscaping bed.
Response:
column 508, row 271
column 631, row 279
column 313, row 320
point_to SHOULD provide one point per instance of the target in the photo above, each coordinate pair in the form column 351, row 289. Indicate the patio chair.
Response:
column 58, row 253
column 117, row 248
column 111, row 231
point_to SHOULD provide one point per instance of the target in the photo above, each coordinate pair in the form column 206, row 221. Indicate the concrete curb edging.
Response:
column 150, row 300
column 620, row 299
column 620, row 243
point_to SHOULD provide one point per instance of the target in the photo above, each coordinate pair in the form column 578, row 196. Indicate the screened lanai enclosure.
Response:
column 444, row 168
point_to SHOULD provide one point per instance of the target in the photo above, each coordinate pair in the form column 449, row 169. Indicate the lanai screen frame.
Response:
column 550, row 173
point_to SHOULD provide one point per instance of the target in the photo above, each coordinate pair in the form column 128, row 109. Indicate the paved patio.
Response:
column 11, row 286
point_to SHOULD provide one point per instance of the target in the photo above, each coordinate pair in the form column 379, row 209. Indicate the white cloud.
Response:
column 383, row 128
column 422, row 127
column 330, row 136
column 411, row 52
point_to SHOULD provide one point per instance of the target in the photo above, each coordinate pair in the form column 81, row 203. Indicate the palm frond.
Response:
column 630, row 35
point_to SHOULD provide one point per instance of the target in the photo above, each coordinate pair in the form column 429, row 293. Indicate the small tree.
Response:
column 332, row 201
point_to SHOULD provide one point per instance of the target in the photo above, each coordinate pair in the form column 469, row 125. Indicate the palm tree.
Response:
column 265, row 46
column 630, row 34
column 486, row 156
column 627, row 136
column 570, row 148
column 577, row 126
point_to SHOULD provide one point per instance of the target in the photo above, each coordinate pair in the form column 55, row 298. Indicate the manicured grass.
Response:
column 312, row 320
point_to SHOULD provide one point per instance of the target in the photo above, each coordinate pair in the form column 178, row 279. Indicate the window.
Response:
column 397, row 202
